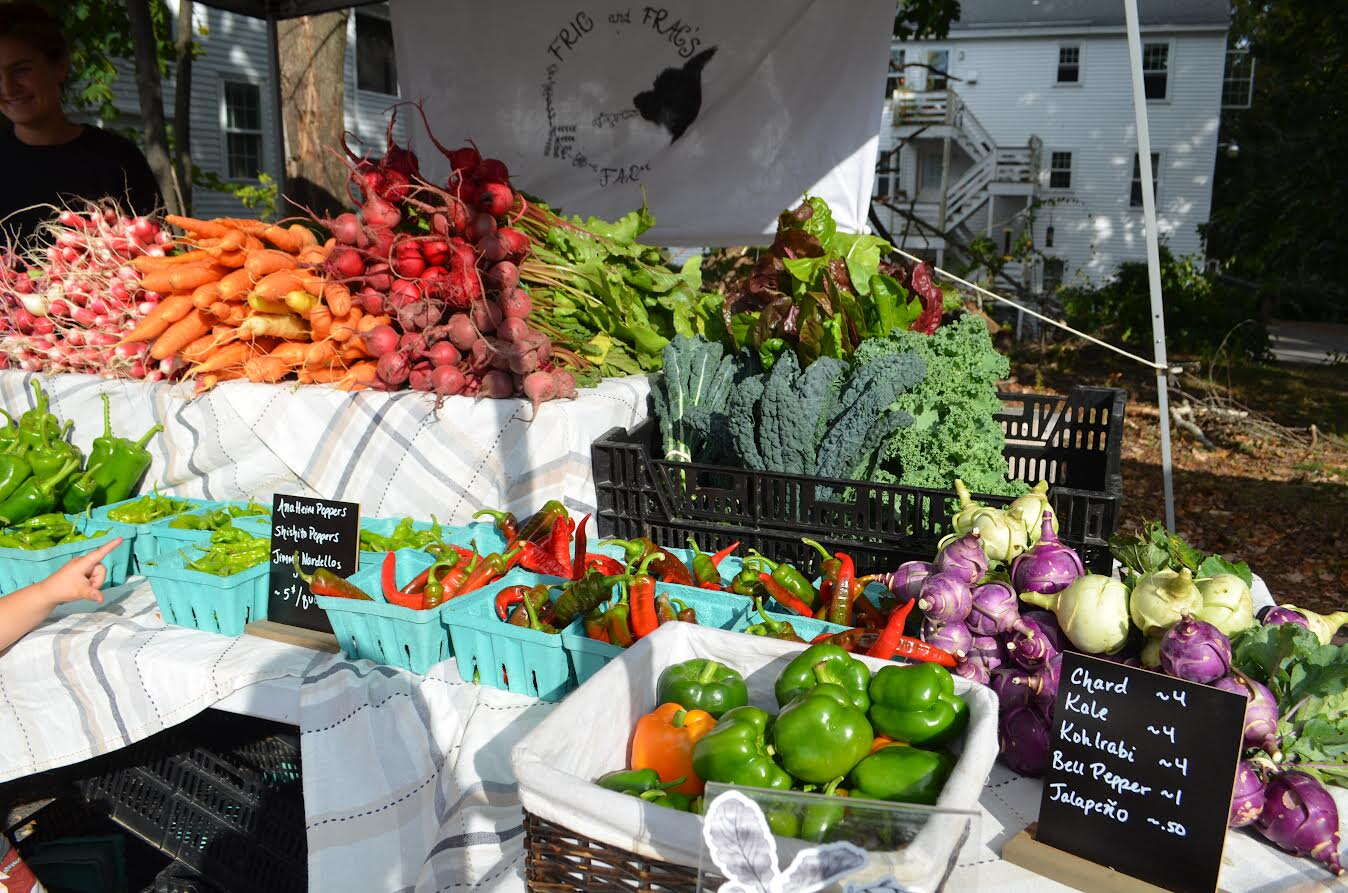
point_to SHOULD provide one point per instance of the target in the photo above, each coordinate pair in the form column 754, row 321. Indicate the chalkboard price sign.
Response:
column 1141, row 771
column 324, row 534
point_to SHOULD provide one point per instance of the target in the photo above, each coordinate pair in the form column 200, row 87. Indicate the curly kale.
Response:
column 954, row 433
column 690, row 396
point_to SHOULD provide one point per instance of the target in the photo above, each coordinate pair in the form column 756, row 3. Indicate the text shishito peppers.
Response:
column 839, row 731
column 40, row 471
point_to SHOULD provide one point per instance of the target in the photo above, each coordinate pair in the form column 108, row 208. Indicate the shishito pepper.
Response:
column 820, row 735
column 901, row 774
column 147, row 509
column 917, row 704
column 772, row 629
column 736, row 752
column 663, row 740
column 824, row 664
column 701, row 684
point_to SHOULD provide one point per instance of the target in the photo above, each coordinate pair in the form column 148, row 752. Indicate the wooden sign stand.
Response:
column 293, row 635
column 1065, row 868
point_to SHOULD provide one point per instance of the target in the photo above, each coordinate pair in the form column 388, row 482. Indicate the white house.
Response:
column 232, row 97
column 1024, row 119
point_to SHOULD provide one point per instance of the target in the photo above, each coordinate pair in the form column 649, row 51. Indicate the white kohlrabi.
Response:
column 1161, row 598
column 1030, row 509
column 1093, row 612
column 1227, row 603
column 1002, row 536
column 1151, row 653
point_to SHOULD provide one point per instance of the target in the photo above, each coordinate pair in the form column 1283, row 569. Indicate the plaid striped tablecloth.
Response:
column 394, row 453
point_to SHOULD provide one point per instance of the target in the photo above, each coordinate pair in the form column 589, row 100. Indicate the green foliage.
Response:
column 99, row 34
column 262, row 196
column 690, row 396
column 1154, row 548
column 1276, row 205
column 916, row 19
column 954, row 433
column 1199, row 313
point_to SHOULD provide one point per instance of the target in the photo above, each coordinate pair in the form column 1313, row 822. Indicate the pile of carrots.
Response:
column 244, row 299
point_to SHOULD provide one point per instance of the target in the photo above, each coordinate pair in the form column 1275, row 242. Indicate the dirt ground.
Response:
column 1267, row 489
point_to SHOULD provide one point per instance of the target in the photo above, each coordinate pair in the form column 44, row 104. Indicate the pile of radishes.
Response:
column 442, row 263
column 67, row 301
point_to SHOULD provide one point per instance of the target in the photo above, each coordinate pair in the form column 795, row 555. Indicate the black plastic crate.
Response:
column 1073, row 442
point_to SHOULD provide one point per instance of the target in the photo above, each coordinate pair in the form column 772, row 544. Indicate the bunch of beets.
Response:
column 442, row 263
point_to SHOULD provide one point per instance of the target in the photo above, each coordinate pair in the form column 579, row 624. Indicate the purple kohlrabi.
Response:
column 905, row 581
column 973, row 668
column 1247, row 800
column 1011, row 688
column 990, row 650
column 1261, row 710
column 1038, row 639
column 1023, row 737
column 1276, row 615
column 995, row 609
column 1043, row 683
column 1300, row 816
column 953, row 637
column 945, row 597
column 1195, row 650
column 964, row 557
column 1050, row 566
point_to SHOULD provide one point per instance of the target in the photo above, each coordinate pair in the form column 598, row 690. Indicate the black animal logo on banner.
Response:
column 676, row 98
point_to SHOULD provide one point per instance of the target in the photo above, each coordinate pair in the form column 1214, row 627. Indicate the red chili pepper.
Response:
column 714, row 587
column 596, row 625
column 619, row 632
column 664, row 610
column 822, row 637
column 418, row 583
column 644, row 619
column 491, row 567
column 539, row 527
column 508, row 598
column 609, row 567
column 452, row 580
column 893, row 631
column 669, row 569
column 578, row 555
column 388, row 581
column 559, row 543
column 784, row 598
column 534, row 557
column 718, row 557
column 916, row 649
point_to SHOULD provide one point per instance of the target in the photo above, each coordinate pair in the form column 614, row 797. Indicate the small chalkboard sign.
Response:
column 324, row 534
column 1141, row 770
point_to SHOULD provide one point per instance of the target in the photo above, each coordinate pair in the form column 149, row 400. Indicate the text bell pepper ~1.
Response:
column 917, row 704
column 820, row 735
column 736, row 752
column 824, row 664
column 663, row 740
column 902, row 775
column 701, row 684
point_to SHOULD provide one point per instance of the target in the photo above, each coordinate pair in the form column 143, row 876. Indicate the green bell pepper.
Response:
column 902, row 774
column 821, row 735
column 821, row 818
column 702, row 685
column 917, row 704
column 825, row 664
column 736, row 752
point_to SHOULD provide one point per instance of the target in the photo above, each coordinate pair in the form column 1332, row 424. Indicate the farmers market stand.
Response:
column 407, row 779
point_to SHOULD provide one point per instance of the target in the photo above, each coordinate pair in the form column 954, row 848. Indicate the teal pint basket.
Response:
column 206, row 602
column 145, row 545
column 393, row 635
column 514, row 658
column 169, row 539
column 806, row 627
column 487, row 537
column 24, row 567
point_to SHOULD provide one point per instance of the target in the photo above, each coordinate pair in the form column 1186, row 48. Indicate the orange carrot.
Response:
column 205, row 295
column 357, row 377
column 147, row 264
column 244, row 224
column 165, row 313
column 231, row 241
column 319, row 354
column 265, row 369
column 320, row 322
column 303, row 235
column 234, row 354
column 369, row 322
column 200, row 228
column 282, row 238
column 179, row 335
column 292, row 353
column 313, row 256
column 233, row 260
column 345, row 327
column 181, row 278
column 199, row 350
column 353, row 349
column 273, row 286
column 268, row 260
column 233, row 286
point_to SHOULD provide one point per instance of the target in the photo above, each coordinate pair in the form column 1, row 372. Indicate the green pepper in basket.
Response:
column 52, row 453
column 14, row 469
column 902, row 774
column 83, row 490
column 636, row 781
column 9, row 433
column 124, row 468
column 702, row 685
column 820, row 735
column 34, row 496
column 917, row 704
column 821, row 818
column 736, row 752
column 786, row 576
column 824, row 664
column 583, row 595
column 147, row 509
column 772, row 629
column 36, row 422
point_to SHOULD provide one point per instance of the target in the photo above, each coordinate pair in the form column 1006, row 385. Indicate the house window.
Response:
column 1069, row 64
column 375, row 68
column 929, row 172
column 1053, row 273
column 939, row 66
column 1238, row 80
column 1155, row 69
column 895, row 81
column 1135, row 188
column 887, row 174
column 1060, row 170
column 243, row 131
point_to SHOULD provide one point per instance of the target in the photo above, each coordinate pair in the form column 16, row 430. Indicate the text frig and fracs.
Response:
column 1073, row 731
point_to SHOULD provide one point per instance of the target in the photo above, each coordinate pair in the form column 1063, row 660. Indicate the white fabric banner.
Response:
column 724, row 113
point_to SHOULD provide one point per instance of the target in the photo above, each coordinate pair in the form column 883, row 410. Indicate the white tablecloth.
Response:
column 394, row 453
column 407, row 781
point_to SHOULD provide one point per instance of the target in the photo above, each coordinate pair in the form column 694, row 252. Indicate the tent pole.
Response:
column 278, row 117
column 1153, row 254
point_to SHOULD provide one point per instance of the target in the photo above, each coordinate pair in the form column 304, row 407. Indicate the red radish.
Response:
column 345, row 263
column 496, row 384
column 496, row 199
column 492, row 170
column 447, row 380
column 436, row 252
column 514, row 243
column 461, row 332
column 482, row 225
column 458, row 216
column 503, row 276
column 485, row 315
column 443, row 354
column 43, row 326
column 392, row 368
column 58, row 308
column 440, row 223
column 515, row 303
column 465, row 158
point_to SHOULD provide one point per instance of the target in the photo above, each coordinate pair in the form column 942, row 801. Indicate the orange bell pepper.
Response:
column 663, row 740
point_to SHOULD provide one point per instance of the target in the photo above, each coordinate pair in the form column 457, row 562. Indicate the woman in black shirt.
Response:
column 48, row 159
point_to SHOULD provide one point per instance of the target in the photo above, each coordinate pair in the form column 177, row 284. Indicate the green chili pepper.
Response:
column 149, row 508
column 770, row 628
column 34, row 497
column 583, row 595
column 790, row 579
column 83, row 490
column 14, row 470
column 9, row 433
column 36, row 422
column 638, row 781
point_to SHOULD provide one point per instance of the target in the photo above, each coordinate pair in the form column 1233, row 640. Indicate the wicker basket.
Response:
column 560, row 859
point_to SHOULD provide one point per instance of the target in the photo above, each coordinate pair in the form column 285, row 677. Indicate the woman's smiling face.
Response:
column 30, row 83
